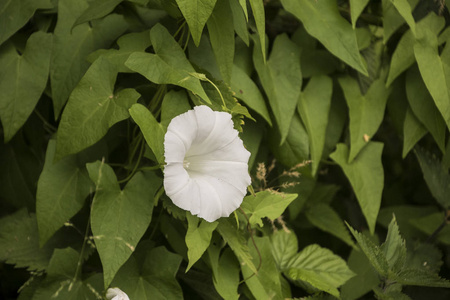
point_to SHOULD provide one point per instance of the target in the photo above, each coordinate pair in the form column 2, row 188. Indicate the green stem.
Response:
column 249, row 228
column 141, row 153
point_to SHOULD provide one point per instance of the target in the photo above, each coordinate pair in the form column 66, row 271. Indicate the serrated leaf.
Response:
column 366, row 111
column 119, row 218
column 281, row 79
column 314, row 107
column 284, row 247
column 72, row 46
column 198, row 237
column 92, row 109
column 375, row 255
column 266, row 204
column 15, row 14
column 366, row 176
column 356, row 8
column 265, row 284
column 246, row 90
column 425, row 256
column 321, row 268
column 421, row 278
column 413, row 131
column 394, row 247
column 22, row 80
column 196, row 13
column 260, row 20
column 436, row 177
column 237, row 242
column 97, row 9
column 168, row 66
column 152, row 130
column 323, row 21
column 19, row 242
column 221, row 36
column 62, row 189
column 152, row 277
column 327, row 219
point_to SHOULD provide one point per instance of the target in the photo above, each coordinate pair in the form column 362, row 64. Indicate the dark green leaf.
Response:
column 174, row 104
column 240, row 21
column 413, row 131
column 97, row 9
column 356, row 8
column 421, row 278
column 260, row 20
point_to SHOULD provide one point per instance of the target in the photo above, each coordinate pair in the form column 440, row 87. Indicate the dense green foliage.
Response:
column 343, row 104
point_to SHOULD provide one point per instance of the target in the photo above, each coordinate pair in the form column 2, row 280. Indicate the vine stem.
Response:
column 249, row 228
column 83, row 247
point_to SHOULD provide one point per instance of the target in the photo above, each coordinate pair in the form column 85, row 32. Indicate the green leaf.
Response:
column 260, row 20
column 97, row 9
column 429, row 223
column 240, row 21
column 314, row 107
column 366, row 111
column 284, row 247
column 327, row 219
column 168, row 66
column 356, row 8
column 152, row 130
column 421, row 278
column 375, row 255
column 281, row 79
column 323, row 21
column 252, row 136
column 403, row 56
column 413, row 131
column 119, row 218
column 221, row 36
column 22, row 80
column 72, row 46
column 321, row 268
column 198, row 237
column 266, row 204
column 366, row 176
column 392, row 20
column 248, row 91
column 423, row 106
column 405, row 11
column 196, row 13
column 19, row 242
column 226, row 277
column 15, row 14
column 394, row 247
column 174, row 104
column 237, row 242
column 152, row 277
column 62, row 189
column 92, row 109
column 436, row 177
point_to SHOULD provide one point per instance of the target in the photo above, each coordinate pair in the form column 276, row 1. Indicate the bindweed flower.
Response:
column 206, row 168
column 116, row 294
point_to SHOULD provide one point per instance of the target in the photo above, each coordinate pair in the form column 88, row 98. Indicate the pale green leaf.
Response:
column 265, row 284
column 240, row 21
column 327, row 219
column 97, row 9
column 62, row 189
column 246, row 90
column 424, row 108
column 375, row 255
column 119, row 218
column 281, row 79
column 321, row 268
column 366, row 176
column 92, row 109
column 405, row 11
column 435, row 71
column 260, row 20
column 356, row 8
column 153, row 131
column 22, row 80
column 15, row 14
column 237, row 242
column 366, row 111
column 436, row 177
column 323, row 21
column 174, row 104
column 284, row 247
column 196, row 13
column 314, row 107
column 198, row 237
column 266, row 204
column 221, row 36
column 72, row 46
column 413, row 131
column 394, row 247
column 168, row 66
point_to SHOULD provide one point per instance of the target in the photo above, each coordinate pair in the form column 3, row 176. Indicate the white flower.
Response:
column 206, row 168
column 116, row 294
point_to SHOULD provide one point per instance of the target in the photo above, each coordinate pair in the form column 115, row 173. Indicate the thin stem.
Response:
column 141, row 153
column 217, row 89
column 47, row 124
column 439, row 229
column 83, row 247
column 249, row 228
column 179, row 28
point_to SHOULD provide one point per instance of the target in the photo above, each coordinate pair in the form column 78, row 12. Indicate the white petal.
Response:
column 116, row 294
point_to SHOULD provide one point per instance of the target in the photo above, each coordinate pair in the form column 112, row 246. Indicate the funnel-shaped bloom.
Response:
column 116, row 294
column 206, row 168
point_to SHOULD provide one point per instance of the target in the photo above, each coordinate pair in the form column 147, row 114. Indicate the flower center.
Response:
column 186, row 164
